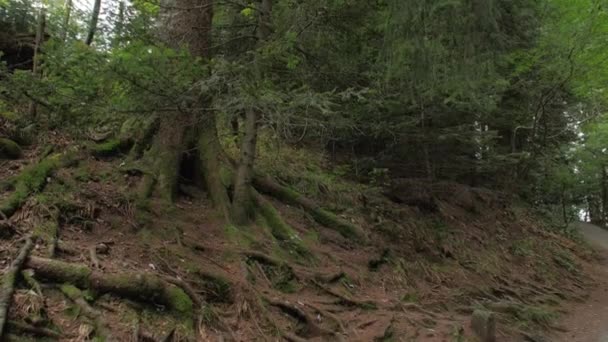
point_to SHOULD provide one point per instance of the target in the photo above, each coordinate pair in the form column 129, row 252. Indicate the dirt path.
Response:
column 588, row 322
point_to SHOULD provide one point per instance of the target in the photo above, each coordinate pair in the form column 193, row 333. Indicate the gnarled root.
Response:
column 269, row 186
column 311, row 328
column 140, row 286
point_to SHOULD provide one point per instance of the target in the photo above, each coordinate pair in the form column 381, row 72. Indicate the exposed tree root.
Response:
column 345, row 300
column 141, row 286
column 14, row 326
column 28, row 276
column 311, row 329
column 7, row 229
column 75, row 295
column 94, row 258
column 278, row 227
column 268, row 186
column 337, row 321
column 33, row 179
column 8, row 282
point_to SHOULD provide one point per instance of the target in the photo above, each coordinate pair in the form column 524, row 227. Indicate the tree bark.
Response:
column 93, row 23
column 242, row 201
column 210, row 156
column 242, row 198
column 66, row 20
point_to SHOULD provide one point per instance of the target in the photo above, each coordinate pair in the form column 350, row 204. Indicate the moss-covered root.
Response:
column 269, row 186
column 278, row 227
column 139, row 286
column 33, row 179
column 9, row 149
column 8, row 282
column 75, row 295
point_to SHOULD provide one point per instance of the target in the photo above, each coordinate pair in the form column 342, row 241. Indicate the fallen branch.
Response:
column 8, row 282
column 144, row 287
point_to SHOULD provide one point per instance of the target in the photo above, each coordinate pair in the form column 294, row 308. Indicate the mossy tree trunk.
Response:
column 242, row 204
column 210, row 156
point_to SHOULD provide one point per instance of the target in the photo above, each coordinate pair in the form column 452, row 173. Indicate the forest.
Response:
column 328, row 170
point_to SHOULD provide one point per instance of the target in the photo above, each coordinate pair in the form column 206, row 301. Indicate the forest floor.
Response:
column 586, row 322
column 435, row 253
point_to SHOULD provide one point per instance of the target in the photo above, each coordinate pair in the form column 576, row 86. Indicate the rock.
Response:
column 483, row 324
column 102, row 248
column 9, row 149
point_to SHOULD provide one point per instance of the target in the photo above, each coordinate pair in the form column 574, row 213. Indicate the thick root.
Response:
column 278, row 227
column 34, row 330
column 140, row 286
column 8, row 282
column 322, row 216
column 311, row 329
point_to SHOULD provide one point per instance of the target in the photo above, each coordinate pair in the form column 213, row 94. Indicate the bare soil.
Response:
column 586, row 322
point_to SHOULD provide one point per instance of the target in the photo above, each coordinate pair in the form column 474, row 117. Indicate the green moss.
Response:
column 179, row 301
column 71, row 291
column 108, row 148
column 46, row 231
column 9, row 149
column 32, row 179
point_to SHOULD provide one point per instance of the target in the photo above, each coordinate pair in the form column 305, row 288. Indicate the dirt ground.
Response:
column 588, row 321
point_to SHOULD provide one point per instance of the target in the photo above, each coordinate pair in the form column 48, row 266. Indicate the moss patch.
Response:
column 9, row 149
column 31, row 180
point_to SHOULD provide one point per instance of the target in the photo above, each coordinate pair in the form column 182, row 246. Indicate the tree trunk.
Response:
column 33, row 108
column 210, row 156
column 242, row 199
column 120, row 24
column 93, row 23
column 66, row 20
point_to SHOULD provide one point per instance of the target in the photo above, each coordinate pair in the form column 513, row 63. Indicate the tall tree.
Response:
column 93, row 22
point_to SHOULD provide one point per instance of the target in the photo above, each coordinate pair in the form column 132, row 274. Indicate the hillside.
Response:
column 433, row 253
column 328, row 170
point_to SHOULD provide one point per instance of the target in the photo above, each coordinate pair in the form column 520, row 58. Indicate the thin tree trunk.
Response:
column 242, row 199
column 120, row 24
column 66, row 20
column 33, row 108
column 93, row 23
